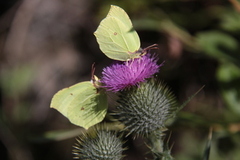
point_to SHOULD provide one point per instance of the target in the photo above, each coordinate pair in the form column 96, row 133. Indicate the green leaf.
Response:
column 218, row 45
column 15, row 81
column 228, row 76
column 56, row 135
column 207, row 149
column 230, row 21
column 83, row 104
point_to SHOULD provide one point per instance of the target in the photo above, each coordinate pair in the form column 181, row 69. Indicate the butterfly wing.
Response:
column 81, row 103
column 120, row 14
column 116, row 37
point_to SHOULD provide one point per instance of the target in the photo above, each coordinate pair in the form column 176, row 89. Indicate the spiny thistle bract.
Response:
column 145, row 108
column 98, row 145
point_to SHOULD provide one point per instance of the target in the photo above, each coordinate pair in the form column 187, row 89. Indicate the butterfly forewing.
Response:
column 120, row 14
column 116, row 37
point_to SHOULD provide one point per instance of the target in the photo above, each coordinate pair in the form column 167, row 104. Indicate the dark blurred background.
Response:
column 46, row 45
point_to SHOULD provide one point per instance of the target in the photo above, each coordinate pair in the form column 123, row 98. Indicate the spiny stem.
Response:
column 156, row 144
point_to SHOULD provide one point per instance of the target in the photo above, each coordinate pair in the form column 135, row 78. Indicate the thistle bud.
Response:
column 145, row 108
column 98, row 145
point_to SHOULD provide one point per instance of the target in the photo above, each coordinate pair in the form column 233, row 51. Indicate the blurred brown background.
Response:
column 46, row 45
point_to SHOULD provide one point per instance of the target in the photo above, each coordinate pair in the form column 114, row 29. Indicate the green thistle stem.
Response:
column 156, row 144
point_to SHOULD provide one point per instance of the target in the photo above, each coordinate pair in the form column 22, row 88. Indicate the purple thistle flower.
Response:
column 121, row 75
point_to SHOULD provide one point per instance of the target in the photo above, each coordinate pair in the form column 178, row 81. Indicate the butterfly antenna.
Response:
column 93, row 77
column 154, row 46
column 92, row 72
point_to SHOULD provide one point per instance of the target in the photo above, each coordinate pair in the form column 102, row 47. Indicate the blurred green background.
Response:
column 48, row 45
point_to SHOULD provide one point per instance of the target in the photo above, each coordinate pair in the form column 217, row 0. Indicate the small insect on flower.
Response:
column 121, row 75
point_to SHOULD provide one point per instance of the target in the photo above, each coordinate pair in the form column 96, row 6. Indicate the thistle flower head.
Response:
column 146, row 108
column 98, row 144
column 121, row 75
